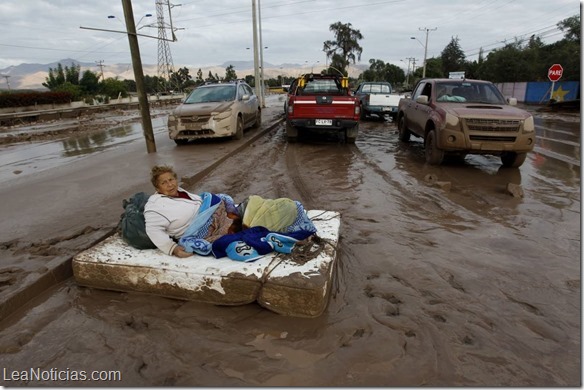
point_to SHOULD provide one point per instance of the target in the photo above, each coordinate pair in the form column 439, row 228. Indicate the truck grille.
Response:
column 490, row 138
column 197, row 132
column 498, row 125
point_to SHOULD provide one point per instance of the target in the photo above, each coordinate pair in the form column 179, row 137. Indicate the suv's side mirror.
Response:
column 512, row 101
column 422, row 99
column 245, row 98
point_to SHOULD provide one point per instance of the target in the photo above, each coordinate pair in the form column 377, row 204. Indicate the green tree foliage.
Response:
column 230, row 73
column 89, row 83
column 210, row 77
column 55, row 78
column 199, row 80
column 453, row 58
column 345, row 48
column 113, row 88
column 517, row 61
column 380, row 71
column 181, row 79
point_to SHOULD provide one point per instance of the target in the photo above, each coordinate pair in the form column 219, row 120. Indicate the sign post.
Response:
column 554, row 74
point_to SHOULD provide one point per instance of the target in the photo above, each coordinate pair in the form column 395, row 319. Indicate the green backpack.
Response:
column 132, row 223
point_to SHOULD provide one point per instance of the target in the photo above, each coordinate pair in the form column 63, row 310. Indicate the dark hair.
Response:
column 158, row 170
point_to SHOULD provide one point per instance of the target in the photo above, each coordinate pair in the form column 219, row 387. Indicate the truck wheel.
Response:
column 291, row 132
column 239, row 129
column 513, row 159
column 434, row 155
column 181, row 141
column 403, row 132
column 351, row 134
column 363, row 114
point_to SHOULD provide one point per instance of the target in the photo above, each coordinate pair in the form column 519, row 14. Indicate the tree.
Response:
column 55, row 78
column 89, row 83
column 72, row 74
column 345, row 48
column 571, row 26
column 230, row 73
column 181, row 79
column 380, row 71
column 453, row 58
column 199, row 80
column 113, row 88
column 210, row 77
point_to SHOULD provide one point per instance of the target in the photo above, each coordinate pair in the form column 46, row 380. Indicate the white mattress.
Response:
column 297, row 284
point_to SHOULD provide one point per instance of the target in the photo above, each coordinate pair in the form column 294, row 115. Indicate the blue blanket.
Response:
column 248, row 244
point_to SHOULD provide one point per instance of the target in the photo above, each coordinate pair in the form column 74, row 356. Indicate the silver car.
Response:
column 215, row 110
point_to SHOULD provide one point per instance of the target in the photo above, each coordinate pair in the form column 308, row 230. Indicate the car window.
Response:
column 418, row 90
column 321, row 86
column 241, row 91
column 248, row 90
column 218, row 93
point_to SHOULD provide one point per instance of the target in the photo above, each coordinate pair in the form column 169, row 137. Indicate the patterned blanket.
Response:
column 268, row 225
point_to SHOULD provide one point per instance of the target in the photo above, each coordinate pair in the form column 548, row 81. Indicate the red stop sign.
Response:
column 555, row 72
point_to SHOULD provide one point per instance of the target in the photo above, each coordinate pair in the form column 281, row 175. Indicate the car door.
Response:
column 249, row 106
column 412, row 108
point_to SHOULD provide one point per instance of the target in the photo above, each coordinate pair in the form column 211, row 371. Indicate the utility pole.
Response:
column 139, row 76
column 100, row 65
column 426, row 46
column 257, row 78
column 263, row 101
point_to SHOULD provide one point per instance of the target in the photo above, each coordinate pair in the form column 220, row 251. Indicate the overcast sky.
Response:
column 212, row 32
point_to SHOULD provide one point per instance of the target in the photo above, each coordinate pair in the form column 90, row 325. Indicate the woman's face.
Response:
column 167, row 184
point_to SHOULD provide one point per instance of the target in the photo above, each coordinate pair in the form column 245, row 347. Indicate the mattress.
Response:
column 296, row 284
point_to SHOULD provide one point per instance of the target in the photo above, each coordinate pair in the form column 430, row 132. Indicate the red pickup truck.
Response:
column 317, row 103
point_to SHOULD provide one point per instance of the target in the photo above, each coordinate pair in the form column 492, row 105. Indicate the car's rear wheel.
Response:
column 513, row 159
column 291, row 132
column 351, row 134
column 434, row 155
column 363, row 114
column 403, row 132
column 239, row 129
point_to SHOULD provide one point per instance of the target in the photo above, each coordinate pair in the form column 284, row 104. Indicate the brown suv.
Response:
column 462, row 116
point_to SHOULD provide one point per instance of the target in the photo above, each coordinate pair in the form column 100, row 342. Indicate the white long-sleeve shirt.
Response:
column 168, row 217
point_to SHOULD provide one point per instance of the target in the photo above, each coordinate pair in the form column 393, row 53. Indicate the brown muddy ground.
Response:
column 453, row 285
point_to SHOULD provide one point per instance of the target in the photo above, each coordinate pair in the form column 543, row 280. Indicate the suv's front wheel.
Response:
column 434, row 155
column 513, row 159
column 239, row 129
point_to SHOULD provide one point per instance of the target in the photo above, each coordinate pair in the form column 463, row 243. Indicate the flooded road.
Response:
column 437, row 285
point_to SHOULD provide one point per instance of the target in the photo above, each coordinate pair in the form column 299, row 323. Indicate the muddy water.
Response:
column 435, row 286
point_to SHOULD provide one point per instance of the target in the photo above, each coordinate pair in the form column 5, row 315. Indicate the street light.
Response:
column 137, row 24
column 425, row 46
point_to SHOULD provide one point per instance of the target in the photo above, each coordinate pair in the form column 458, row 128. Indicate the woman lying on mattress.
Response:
column 180, row 223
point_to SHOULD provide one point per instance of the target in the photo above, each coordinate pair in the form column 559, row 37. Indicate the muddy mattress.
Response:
column 296, row 284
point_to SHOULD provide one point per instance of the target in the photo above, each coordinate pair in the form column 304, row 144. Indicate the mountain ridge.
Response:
column 33, row 75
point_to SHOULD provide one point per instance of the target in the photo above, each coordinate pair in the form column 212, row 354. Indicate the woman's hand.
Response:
column 179, row 251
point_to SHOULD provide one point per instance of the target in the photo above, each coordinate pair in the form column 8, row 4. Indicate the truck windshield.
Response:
column 327, row 86
column 468, row 92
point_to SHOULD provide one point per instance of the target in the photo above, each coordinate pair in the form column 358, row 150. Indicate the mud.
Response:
column 459, row 285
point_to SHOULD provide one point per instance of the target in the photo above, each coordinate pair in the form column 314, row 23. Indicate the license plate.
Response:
column 323, row 122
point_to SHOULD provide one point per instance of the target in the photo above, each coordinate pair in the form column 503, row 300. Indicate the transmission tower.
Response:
column 165, row 65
